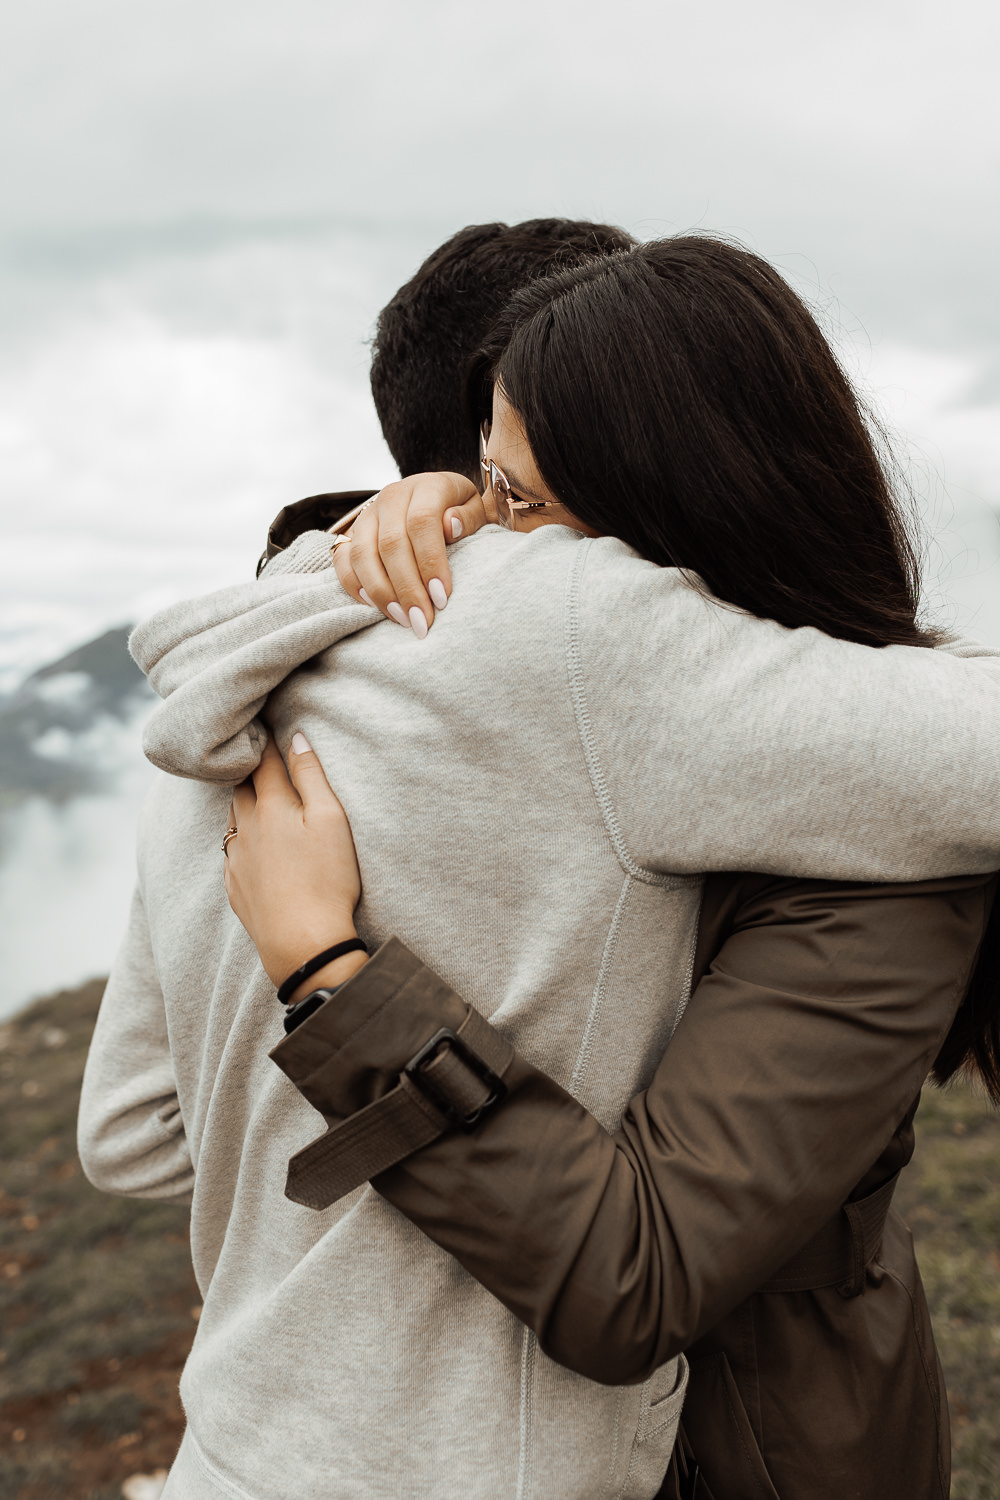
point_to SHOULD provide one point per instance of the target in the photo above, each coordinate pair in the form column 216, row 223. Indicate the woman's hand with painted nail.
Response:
column 396, row 559
column 291, row 873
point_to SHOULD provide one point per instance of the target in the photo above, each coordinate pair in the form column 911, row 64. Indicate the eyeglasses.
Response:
column 507, row 503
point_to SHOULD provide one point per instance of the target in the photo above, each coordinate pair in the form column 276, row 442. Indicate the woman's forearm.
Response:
column 799, row 1055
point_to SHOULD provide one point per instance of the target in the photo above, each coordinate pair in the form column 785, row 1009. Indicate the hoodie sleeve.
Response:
column 131, row 1132
column 747, row 745
column 214, row 660
column 713, row 740
column 308, row 553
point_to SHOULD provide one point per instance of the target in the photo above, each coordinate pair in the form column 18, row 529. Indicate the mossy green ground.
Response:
column 97, row 1299
column 96, row 1293
column 950, row 1197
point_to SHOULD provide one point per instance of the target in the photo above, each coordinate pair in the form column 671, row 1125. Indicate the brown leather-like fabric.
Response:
column 822, row 1396
column 314, row 513
column 462, row 1076
column 787, row 1090
column 352, row 1051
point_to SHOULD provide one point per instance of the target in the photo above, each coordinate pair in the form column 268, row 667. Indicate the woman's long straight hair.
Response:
column 972, row 1046
column 681, row 397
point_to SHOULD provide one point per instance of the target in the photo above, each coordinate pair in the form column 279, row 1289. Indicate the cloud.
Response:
column 860, row 141
column 203, row 206
column 148, row 437
column 884, row 112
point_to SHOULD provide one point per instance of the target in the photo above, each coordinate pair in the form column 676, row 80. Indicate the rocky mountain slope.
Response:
column 57, row 730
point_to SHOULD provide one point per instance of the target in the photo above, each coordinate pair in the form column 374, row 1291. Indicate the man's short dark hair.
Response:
column 429, row 331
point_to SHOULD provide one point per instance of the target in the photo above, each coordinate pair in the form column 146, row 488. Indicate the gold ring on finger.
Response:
column 229, row 834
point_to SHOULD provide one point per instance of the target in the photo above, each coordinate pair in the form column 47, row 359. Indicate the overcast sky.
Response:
column 203, row 204
column 862, row 136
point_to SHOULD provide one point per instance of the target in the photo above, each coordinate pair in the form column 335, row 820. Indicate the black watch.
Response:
column 307, row 1006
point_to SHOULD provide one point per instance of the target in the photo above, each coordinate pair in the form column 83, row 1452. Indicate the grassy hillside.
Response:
column 97, row 1300
column 950, row 1196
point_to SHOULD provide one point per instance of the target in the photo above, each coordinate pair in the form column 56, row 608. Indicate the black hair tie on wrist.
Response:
column 291, row 984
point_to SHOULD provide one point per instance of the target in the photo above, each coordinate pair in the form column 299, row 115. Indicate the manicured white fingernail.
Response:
column 419, row 622
column 395, row 612
column 365, row 597
column 456, row 528
column 300, row 744
column 439, row 598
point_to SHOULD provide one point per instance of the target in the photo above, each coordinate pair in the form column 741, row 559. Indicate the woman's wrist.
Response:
column 339, row 971
column 292, row 943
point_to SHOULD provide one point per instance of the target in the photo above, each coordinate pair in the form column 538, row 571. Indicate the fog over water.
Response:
column 202, row 208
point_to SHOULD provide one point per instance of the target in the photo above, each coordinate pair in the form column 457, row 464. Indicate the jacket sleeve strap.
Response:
column 838, row 1254
column 451, row 1082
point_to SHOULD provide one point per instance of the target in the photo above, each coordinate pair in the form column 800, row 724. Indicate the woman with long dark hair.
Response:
column 683, row 398
column 535, row 792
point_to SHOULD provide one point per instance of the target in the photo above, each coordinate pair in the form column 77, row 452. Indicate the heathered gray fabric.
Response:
column 535, row 790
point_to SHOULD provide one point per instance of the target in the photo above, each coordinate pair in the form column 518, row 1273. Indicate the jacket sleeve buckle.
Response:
column 455, row 1079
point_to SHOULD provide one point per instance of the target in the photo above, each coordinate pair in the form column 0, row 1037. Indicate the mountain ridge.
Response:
column 54, row 728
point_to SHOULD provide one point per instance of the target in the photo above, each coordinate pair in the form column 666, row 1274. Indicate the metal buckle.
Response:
column 429, row 1088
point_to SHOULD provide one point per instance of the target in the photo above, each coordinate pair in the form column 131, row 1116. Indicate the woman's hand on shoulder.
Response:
column 395, row 554
column 291, row 873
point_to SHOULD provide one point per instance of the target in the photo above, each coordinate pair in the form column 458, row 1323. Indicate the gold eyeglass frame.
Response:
column 507, row 502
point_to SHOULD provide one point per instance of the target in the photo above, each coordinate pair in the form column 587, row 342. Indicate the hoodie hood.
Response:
column 214, row 660
column 713, row 740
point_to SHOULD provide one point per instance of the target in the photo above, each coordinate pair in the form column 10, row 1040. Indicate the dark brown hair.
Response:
column 432, row 327
column 972, row 1046
column 681, row 397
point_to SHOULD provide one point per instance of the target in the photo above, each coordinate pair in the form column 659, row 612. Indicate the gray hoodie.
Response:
column 535, row 791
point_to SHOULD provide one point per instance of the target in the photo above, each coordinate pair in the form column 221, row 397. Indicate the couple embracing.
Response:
column 560, row 1164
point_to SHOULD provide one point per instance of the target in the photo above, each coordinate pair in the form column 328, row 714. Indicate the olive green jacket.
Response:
column 741, row 1212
